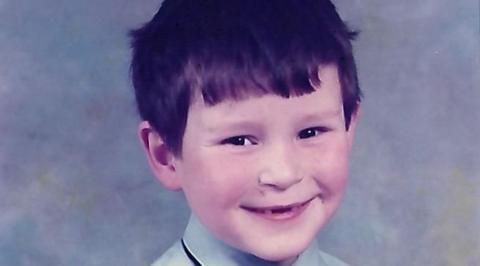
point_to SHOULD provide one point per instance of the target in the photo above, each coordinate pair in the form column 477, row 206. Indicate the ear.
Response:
column 160, row 158
column 352, row 126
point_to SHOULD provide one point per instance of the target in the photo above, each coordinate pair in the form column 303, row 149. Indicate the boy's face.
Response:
column 265, row 174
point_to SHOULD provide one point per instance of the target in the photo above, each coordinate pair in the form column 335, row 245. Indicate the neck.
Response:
column 200, row 242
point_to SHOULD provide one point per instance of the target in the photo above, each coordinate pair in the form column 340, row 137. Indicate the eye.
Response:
column 238, row 141
column 312, row 132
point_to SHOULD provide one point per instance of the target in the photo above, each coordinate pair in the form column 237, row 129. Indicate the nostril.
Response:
column 279, row 181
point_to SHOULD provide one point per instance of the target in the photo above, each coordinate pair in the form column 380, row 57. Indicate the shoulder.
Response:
column 331, row 260
column 174, row 256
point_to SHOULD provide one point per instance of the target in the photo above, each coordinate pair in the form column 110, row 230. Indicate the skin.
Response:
column 258, row 153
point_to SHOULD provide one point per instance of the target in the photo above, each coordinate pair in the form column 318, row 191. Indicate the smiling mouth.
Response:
column 279, row 212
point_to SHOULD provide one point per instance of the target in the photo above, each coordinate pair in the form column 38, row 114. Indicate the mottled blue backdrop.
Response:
column 75, row 188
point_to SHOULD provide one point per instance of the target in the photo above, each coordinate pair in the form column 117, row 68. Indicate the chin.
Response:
column 280, row 252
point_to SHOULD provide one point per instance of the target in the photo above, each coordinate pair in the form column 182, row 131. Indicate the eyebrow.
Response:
column 240, row 125
column 315, row 116
column 251, row 125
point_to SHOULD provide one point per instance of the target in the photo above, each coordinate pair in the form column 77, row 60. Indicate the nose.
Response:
column 281, row 169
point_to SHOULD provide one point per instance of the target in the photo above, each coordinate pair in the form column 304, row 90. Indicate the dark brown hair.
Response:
column 230, row 49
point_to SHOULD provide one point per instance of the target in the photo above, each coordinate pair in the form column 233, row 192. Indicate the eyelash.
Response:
column 303, row 134
column 238, row 141
column 312, row 132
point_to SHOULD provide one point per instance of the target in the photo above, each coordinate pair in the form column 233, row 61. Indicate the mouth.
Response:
column 286, row 212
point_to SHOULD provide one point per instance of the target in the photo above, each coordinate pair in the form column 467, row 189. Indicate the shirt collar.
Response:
column 208, row 250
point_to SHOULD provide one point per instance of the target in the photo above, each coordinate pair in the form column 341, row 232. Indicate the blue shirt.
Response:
column 209, row 251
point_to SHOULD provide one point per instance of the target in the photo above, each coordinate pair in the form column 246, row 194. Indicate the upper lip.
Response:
column 276, row 207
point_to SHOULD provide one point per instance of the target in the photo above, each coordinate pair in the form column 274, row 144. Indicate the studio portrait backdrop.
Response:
column 76, row 189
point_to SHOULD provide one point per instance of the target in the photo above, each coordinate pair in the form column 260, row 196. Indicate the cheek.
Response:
column 216, row 180
column 331, row 165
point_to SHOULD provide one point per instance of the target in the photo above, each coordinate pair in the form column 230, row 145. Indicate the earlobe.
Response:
column 160, row 158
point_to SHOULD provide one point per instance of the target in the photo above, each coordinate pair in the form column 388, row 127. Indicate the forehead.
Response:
column 325, row 99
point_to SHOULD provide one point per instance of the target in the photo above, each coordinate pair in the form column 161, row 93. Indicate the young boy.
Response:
column 249, row 107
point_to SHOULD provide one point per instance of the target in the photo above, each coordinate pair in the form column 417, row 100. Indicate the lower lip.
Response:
column 288, row 215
